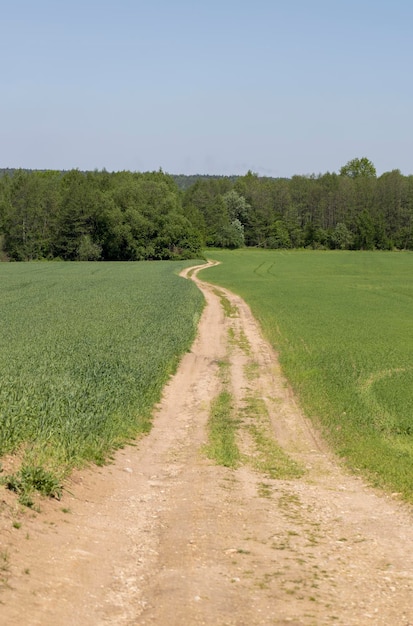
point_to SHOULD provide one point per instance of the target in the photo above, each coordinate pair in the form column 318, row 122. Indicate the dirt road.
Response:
column 164, row 536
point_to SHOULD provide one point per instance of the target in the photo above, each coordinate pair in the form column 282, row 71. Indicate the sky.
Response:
column 219, row 87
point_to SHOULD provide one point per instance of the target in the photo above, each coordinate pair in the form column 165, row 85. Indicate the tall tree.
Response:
column 358, row 168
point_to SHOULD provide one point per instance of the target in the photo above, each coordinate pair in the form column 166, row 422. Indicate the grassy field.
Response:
column 85, row 351
column 342, row 323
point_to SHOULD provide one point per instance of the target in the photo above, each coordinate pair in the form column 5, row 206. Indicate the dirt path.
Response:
column 164, row 536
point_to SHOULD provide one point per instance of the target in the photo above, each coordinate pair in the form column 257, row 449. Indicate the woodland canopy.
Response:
column 133, row 216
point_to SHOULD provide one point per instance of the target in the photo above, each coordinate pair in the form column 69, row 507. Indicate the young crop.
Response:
column 86, row 350
column 342, row 325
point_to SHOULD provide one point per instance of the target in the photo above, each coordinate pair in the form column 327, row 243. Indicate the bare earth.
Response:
column 164, row 536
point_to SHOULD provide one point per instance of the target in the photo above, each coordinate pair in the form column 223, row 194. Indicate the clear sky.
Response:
column 213, row 87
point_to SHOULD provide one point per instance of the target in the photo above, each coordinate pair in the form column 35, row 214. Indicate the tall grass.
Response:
column 342, row 323
column 85, row 351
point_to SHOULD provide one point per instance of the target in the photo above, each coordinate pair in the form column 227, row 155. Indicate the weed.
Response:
column 26, row 500
column 4, row 561
column 224, row 371
column 264, row 490
column 33, row 479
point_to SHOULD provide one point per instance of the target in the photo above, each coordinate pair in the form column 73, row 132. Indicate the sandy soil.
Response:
column 164, row 536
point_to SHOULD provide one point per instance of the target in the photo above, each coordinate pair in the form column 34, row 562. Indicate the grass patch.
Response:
column 252, row 370
column 240, row 340
column 222, row 428
column 264, row 490
column 229, row 309
column 272, row 459
column 224, row 367
column 269, row 457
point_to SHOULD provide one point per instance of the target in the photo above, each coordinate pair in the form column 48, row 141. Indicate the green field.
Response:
column 342, row 323
column 85, row 351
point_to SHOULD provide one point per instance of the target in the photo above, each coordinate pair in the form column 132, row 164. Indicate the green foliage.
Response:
column 354, row 210
column 94, row 215
column 341, row 238
column 230, row 235
column 358, row 167
column 364, row 231
column 342, row 325
column 236, row 205
column 88, row 251
column 126, row 216
column 86, row 350
column 280, row 237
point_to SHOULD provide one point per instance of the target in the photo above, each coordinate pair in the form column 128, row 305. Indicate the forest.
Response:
column 99, row 215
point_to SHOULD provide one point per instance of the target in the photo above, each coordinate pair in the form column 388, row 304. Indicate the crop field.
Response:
column 85, row 351
column 342, row 323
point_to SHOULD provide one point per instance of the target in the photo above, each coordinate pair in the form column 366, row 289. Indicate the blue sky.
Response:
column 281, row 88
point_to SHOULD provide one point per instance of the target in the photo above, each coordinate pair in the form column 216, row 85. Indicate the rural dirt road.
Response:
column 164, row 536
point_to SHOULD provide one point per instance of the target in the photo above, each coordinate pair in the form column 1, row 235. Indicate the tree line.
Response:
column 354, row 210
column 132, row 216
column 97, row 215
